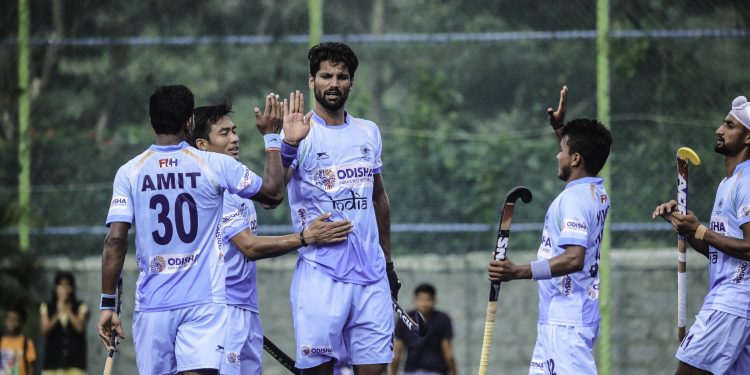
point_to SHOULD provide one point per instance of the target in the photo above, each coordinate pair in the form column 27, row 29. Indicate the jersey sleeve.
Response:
column 121, row 206
column 448, row 329
column 573, row 220
column 233, row 220
column 238, row 179
column 742, row 201
column 378, row 152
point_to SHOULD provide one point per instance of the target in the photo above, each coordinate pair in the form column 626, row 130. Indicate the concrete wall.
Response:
column 643, row 308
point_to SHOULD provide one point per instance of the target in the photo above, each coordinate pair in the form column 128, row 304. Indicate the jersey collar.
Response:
column 585, row 180
column 170, row 148
column 319, row 120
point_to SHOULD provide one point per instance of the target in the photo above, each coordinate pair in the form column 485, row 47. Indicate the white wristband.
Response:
column 540, row 270
column 272, row 141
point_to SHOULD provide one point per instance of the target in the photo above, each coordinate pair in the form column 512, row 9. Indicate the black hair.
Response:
column 205, row 117
column 59, row 277
column 170, row 107
column 591, row 139
column 20, row 310
column 335, row 53
column 425, row 288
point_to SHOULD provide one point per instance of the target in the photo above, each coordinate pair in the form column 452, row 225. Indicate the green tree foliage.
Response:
column 462, row 122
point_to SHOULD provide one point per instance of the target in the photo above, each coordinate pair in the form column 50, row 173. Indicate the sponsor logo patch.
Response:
column 719, row 224
column 739, row 273
column 306, row 350
column 171, row 263
column 566, row 285
column 593, row 291
column 574, row 226
column 247, row 179
column 119, row 201
column 744, row 211
column 365, row 150
column 322, row 156
column 545, row 247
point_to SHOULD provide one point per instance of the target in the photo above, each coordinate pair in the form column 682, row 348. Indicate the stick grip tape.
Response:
column 489, row 326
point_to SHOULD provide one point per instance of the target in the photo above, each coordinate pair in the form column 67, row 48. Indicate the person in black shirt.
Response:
column 433, row 353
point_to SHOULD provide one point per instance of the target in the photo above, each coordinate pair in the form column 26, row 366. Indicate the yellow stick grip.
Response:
column 489, row 326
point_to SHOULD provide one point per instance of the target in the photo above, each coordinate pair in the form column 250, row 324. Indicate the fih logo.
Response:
column 166, row 163
column 324, row 178
column 157, row 264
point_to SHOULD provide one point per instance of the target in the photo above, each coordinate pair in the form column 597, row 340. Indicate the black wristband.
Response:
column 107, row 302
column 389, row 266
column 302, row 237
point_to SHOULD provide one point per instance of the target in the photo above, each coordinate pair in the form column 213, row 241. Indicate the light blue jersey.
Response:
column 729, row 277
column 239, row 214
column 334, row 172
column 173, row 195
column 575, row 217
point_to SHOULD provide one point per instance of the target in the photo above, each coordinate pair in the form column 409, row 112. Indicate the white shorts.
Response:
column 563, row 350
column 243, row 348
column 336, row 320
column 172, row 341
column 717, row 342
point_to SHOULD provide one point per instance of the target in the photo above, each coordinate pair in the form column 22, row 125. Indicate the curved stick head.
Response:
column 518, row 192
column 686, row 153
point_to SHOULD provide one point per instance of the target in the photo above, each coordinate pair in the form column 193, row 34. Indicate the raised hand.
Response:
column 271, row 120
column 296, row 123
column 325, row 232
column 557, row 118
column 109, row 321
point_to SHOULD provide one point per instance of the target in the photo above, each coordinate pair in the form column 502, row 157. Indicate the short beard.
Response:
column 335, row 106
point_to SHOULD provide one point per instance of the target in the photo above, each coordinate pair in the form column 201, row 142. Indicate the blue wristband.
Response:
column 107, row 302
column 272, row 141
column 540, row 270
column 288, row 154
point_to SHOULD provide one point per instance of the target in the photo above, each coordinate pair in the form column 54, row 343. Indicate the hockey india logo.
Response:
column 305, row 350
column 157, row 264
column 233, row 358
column 324, row 178
column 365, row 152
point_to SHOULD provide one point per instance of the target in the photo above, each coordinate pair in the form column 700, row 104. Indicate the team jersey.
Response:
column 728, row 276
column 239, row 214
column 575, row 217
column 334, row 172
column 173, row 195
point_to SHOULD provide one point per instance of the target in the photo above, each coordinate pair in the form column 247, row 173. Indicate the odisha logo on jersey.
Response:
column 566, row 285
column 324, row 178
column 119, row 201
column 307, row 350
column 575, row 226
column 158, row 263
column 246, row 179
column 302, row 217
column 233, row 358
column 739, row 274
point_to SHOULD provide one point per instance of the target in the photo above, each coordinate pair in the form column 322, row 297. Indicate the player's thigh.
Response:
column 369, row 331
column 320, row 308
column 251, row 357
column 200, row 337
column 238, row 325
column 154, row 334
column 564, row 350
column 714, row 342
column 742, row 363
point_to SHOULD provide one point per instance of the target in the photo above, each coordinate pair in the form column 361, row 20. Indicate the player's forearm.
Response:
column 735, row 247
column 565, row 264
column 261, row 247
column 273, row 179
column 113, row 258
column 383, row 219
column 698, row 245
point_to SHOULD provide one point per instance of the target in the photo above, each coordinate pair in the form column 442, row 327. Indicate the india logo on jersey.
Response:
column 324, row 178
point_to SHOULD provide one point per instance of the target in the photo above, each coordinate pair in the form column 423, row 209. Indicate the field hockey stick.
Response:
column 417, row 327
column 684, row 155
column 113, row 338
column 501, row 247
column 279, row 355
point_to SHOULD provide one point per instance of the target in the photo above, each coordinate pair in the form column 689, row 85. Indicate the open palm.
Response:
column 296, row 123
